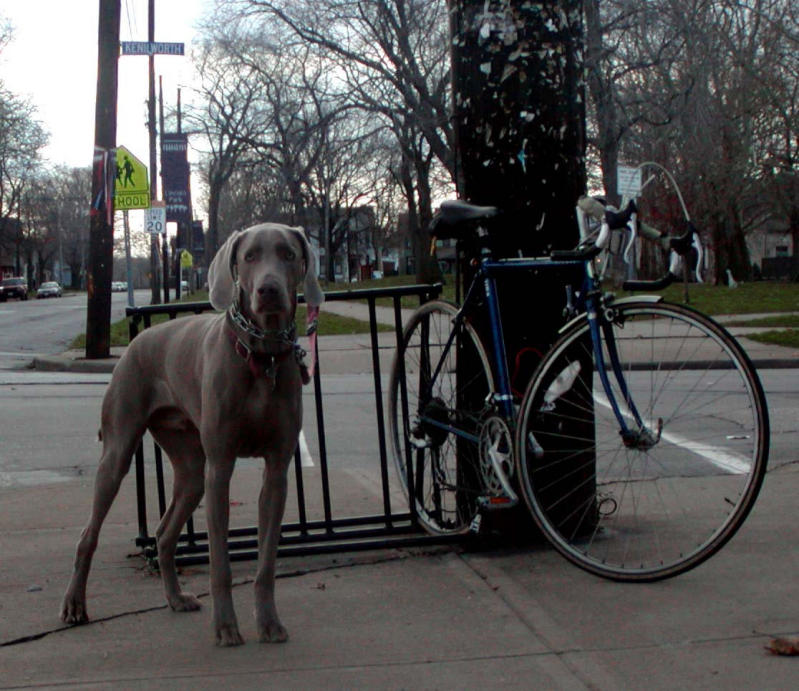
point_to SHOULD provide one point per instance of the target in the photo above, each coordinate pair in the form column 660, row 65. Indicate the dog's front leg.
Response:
column 271, row 504
column 217, row 498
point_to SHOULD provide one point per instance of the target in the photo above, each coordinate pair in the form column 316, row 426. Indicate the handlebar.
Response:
column 627, row 218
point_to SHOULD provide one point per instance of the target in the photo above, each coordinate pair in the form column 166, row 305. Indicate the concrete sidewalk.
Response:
column 441, row 619
column 397, row 619
column 351, row 354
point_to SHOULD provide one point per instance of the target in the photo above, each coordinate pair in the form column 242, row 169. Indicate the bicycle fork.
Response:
column 641, row 436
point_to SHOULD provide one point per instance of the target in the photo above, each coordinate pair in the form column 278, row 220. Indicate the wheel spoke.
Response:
column 643, row 511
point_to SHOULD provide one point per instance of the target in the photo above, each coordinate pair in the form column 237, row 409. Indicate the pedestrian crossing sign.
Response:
column 132, row 185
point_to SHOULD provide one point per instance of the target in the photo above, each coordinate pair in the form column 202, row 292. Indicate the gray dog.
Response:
column 210, row 388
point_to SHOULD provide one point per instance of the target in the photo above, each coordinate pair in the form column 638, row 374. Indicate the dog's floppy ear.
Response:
column 311, row 288
column 221, row 282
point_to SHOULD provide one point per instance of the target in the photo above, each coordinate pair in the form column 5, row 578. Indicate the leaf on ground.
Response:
column 784, row 646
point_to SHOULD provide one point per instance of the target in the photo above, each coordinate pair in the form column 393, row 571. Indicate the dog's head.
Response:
column 264, row 266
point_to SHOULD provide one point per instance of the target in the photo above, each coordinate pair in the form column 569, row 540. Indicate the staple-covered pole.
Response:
column 518, row 109
column 101, row 224
column 519, row 115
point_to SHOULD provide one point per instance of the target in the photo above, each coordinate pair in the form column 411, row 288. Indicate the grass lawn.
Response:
column 786, row 337
column 747, row 298
column 329, row 324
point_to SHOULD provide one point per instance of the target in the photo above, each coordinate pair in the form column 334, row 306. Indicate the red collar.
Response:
column 263, row 364
column 260, row 364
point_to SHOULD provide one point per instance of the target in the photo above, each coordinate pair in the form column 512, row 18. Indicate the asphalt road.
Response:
column 50, row 420
column 48, row 428
column 45, row 327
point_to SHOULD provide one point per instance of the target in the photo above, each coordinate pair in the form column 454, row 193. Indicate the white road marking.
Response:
column 725, row 459
column 305, row 454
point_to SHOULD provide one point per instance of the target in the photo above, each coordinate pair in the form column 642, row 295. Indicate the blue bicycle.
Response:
column 640, row 442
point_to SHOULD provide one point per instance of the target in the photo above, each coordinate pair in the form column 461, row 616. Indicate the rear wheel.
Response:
column 667, row 496
column 435, row 425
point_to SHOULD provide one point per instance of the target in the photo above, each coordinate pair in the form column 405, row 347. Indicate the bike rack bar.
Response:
column 330, row 534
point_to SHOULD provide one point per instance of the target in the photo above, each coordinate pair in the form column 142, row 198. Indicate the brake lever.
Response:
column 697, row 245
column 632, row 233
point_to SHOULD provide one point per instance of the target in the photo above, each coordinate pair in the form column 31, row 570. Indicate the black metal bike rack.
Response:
column 391, row 528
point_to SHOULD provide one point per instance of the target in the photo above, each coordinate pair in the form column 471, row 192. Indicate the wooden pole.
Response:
column 155, row 284
column 101, row 224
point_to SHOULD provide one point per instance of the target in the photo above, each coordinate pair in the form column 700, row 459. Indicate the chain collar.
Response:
column 253, row 345
column 267, row 341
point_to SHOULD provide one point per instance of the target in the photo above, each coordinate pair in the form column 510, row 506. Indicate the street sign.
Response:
column 628, row 181
column 155, row 218
column 132, row 186
column 151, row 48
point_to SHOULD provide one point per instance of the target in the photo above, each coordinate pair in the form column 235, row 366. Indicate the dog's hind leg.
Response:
column 188, row 465
column 115, row 462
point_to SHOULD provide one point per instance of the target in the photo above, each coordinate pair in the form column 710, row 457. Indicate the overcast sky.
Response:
column 52, row 59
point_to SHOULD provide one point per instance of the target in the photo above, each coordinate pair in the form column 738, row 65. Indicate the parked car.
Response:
column 50, row 289
column 13, row 288
column 119, row 286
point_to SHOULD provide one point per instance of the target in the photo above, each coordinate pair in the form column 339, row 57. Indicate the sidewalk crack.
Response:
column 296, row 573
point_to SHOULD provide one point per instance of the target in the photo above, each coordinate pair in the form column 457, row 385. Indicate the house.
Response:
column 10, row 232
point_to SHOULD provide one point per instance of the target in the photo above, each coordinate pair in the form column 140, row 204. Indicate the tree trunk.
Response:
column 214, row 196
column 794, row 216
column 520, row 145
column 607, row 136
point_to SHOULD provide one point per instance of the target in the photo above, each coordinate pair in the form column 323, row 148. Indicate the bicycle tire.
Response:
column 445, row 471
column 632, row 513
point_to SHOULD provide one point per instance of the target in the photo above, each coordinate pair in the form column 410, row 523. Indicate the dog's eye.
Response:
column 289, row 255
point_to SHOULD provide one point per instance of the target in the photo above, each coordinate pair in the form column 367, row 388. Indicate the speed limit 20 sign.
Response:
column 155, row 218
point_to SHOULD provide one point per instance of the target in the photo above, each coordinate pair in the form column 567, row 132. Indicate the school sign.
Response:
column 132, row 185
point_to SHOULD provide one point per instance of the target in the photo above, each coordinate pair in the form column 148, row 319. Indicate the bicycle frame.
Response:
column 600, row 331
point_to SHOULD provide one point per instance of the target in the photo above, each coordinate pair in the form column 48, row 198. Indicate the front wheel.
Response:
column 438, row 407
column 669, row 494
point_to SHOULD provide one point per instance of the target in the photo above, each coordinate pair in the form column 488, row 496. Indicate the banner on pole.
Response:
column 175, row 175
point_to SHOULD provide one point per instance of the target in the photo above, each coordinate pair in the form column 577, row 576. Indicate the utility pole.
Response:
column 101, row 224
column 154, row 252
column 165, row 252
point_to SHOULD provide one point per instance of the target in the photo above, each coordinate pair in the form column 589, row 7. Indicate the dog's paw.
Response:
column 228, row 635
column 184, row 602
column 73, row 611
column 272, row 632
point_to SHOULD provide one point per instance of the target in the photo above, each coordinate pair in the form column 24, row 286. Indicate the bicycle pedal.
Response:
column 474, row 526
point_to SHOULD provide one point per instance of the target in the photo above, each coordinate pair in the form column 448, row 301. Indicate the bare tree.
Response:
column 228, row 119
column 21, row 140
column 704, row 88
column 393, row 62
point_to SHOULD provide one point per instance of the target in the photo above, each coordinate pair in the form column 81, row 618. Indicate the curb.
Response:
column 58, row 363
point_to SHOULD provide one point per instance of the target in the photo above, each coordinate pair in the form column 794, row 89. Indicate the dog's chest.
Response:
column 268, row 418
